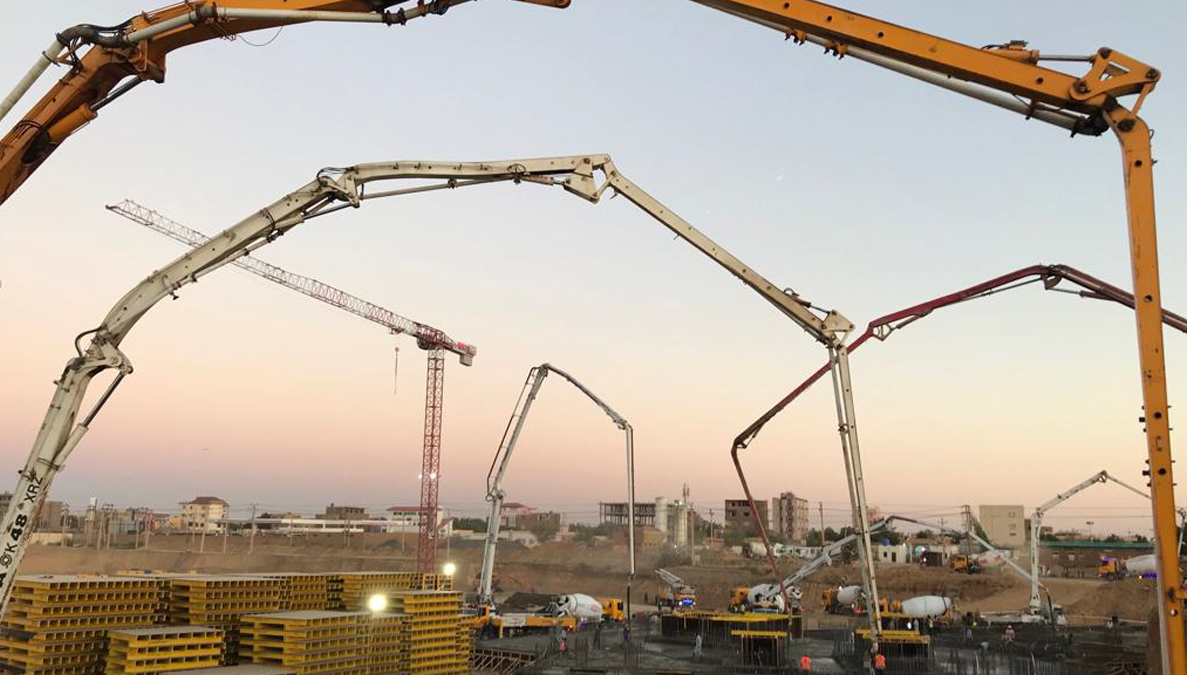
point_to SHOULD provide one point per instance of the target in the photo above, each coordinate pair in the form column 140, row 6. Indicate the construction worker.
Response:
column 805, row 664
column 696, row 648
column 880, row 662
column 1009, row 635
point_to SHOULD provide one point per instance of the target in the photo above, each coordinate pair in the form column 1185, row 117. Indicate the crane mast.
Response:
column 433, row 341
column 1006, row 75
column 508, row 443
column 1052, row 277
column 331, row 191
column 1011, row 76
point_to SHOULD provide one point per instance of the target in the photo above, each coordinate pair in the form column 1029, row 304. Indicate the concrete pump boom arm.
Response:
column 119, row 57
column 1009, row 76
column 1039, row 514
column 504, row 452
column 330, row 191
column 825, row 557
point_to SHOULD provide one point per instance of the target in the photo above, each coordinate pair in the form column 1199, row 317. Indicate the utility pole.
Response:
column 968, row 525
column 254, row 526
column 821, row 515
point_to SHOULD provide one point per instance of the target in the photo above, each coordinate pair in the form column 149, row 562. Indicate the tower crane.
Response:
column 1052, row 278
column 1035, row 528
column 335, row 189
column 1008, row 75
column 508, row 443
column 433, row 341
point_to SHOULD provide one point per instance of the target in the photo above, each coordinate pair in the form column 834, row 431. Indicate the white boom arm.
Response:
column 1035, row 529
column 333, row 190
column 495, row 494
column 825, row 557
column 671, row 579
column 950, row 530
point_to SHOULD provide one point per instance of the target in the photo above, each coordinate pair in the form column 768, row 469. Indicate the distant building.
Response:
column 892, row 553
column 618, row 512
column 535, row 521
column 5, row 500
column 789, row 517
column 203, row 514
column 510, row 511
column 1004, row 524
column 874, row 514
column 335, row 512
column 408, row 519
column 1082, row 558
column 52, row 517
column 738, row 514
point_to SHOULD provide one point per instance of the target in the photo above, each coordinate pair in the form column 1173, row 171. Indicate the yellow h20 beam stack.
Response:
column 145, row 651
column 57, row 624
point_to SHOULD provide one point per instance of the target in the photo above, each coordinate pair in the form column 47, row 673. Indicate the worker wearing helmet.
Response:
column 806, row 664
column 880, row 662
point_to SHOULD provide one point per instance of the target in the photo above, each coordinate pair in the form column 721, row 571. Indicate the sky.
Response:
column 862, row 190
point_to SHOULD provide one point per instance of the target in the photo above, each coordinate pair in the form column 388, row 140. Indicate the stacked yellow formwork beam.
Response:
column 358, row 587
column 388, row 647
column 309, row 642
column 221, row 602
column 243, row 669
column 57, row 624
column 333, row 592
column 466, row 636
column 301, row 591
column 433, row 631
column 142, row 651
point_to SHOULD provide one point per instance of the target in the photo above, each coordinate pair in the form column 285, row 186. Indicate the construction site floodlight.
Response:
column 585, row 176
column 377, row 603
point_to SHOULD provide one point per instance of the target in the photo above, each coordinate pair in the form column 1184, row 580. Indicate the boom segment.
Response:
column 512, row 432
column 351, row 187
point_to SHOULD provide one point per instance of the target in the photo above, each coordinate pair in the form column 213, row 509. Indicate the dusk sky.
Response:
column 862, row 190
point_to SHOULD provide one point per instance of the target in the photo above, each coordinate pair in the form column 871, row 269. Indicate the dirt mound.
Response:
column 1129, row 599
column 905, row 581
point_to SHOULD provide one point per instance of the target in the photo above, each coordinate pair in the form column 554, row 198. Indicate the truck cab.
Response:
column 613, row 609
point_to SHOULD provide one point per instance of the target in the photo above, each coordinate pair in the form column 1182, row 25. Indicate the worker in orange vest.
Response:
column 805, row 664
column 880, row 662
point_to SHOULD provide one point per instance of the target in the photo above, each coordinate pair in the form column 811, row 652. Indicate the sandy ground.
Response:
column 599, row 571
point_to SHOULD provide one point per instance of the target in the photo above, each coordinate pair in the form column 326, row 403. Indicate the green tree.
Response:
column 470, row 524
column 543, row 529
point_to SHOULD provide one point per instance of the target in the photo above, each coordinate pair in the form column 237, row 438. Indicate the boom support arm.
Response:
column 496, row 494
column 1035, row 528
column 330, row 191
column 1010, row 76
